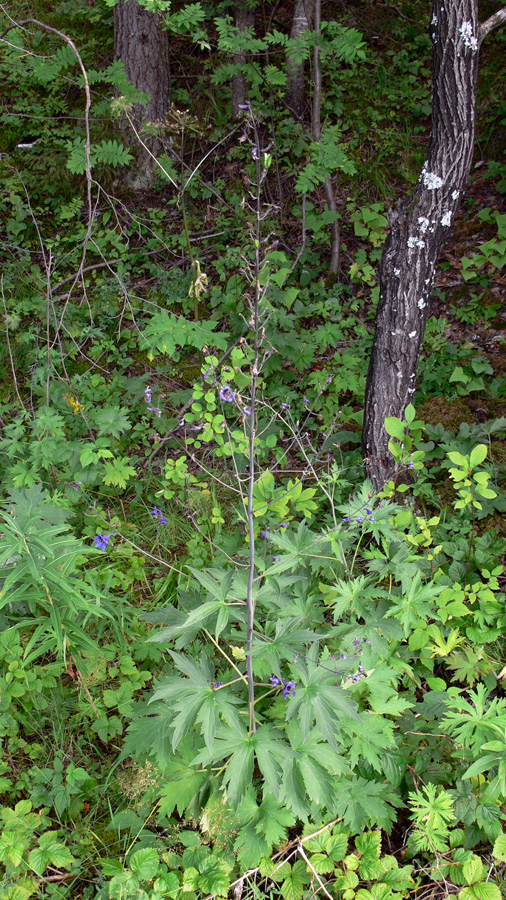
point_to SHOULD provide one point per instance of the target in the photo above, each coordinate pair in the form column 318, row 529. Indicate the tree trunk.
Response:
column 419, row 227
column 244, row 19
column 143, row 48
column 303, row 16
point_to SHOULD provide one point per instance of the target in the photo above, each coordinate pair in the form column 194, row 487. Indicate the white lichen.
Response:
column 434, row 20
column 421, row 303
column 432, row 181
column 412, row 334
column 415, row 242
column 397, row 272
column 455, row 195
column 468, row 37
column 447, row 219
column 423, row 223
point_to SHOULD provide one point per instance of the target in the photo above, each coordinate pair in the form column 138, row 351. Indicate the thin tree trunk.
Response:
column 244, row 19
column 143, row 47
column 317, row 131
column 303, row 16
column 419, row 227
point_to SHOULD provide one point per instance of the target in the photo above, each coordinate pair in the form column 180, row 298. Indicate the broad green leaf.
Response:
column 499, row 850
column 144, row 863
column 478, row 455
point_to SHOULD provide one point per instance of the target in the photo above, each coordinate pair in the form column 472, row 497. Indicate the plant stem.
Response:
column 255, row 325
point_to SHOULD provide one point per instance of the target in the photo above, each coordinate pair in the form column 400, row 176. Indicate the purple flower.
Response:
column 264, row 535
column 346, row 519
column 411, row 465
column 368, row 512
column 244, row 106
column 283, row 525
column 285, row 406
column 305, row 401
column 158, row 514
column 275, row 558
column 227, row 394
column 147, row 394
column 274, row 680
column 360, row 520
column 101, row 540
column 155, row 512
column 207, row 374
column 343, row 655
column 247, row 410
column 216, row 684
column 356, row 642
column 372, row 519
column 162, row 520
column 254, row 153
column 288, row 689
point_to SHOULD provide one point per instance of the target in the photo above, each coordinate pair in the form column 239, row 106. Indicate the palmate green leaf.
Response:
column 273, row 820
column 288, row 640
column 318, row 699
column 111, row 420
column 183, row 779
column 234, row 748
column 363, row 803
column 368, row 740
column 309, row 776
column 272, row 753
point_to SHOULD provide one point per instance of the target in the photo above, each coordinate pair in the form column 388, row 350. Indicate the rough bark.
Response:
column 143, row 48
column 317, row 133
column 243, row 19
column 419, row 228
column 302, row 22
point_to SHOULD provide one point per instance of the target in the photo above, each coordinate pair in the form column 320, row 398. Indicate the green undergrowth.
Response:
column 227, row 666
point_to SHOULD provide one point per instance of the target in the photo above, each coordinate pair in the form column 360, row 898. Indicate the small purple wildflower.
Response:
column 244, row 105
column 305, row 401
column 274, row 680
column 368, row 512
column 247, row 410
column 155, row 512
column 264, row 535
column 207, row 374
column 288, row 689
column 254, row 153
column 346, row 519
column 227, row 394
column 101, row 540
column 162, row 520
column 285, row 406
column 275, row 558
column 283, row 525
column 360, row 519
column 158, row 514
column 147, row 394
column 372, row 519
column 411, row 464
column 343, row 655
column 78, row 482
column 356, row 641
